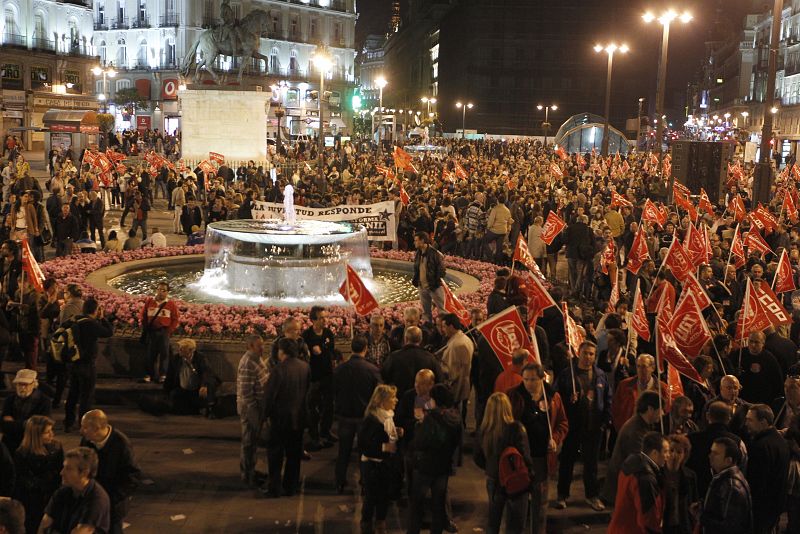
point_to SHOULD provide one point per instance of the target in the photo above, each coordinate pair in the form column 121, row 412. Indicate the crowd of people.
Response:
column 716, row 454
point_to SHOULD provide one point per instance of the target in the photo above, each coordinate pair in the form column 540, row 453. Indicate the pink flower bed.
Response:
column 234, row 321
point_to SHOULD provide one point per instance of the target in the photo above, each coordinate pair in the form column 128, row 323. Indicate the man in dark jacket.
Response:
column 285, row 395
column 727, row 507
column 322, row 355
column 89, row 327
column 718, row 417
column 191, row 384
column 640, row 499
column 7, row 472
column 117, row 471
column 429, row 271
column 27, row 401
column 580, row 251
column 436, row 439
column 768, row 464
column 96, row 212
column 353, row 383
column 401, row 366
column 66, row 231
column 784, row 349
column 761, row 376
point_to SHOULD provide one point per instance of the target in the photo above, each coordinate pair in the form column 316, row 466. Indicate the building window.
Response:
column 101, row 12
column 121, row 11
column 142, row 10
column 101, row 51
column 39, row 32
column 294, row 28
column 169, row 53
column 74, row 37
column 11, row 30
column 141, row 54
column 123, row 84
column 338, row 34
column 98, row 87
column 312, row 28
column 276, row 24
column 435, row 52
column 274, row 64
column 293, row 65
column 122, row 54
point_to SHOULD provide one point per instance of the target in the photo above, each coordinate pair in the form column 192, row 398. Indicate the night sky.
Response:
column 686, row 49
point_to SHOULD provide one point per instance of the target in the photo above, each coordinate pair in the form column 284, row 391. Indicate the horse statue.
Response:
column 242, row 41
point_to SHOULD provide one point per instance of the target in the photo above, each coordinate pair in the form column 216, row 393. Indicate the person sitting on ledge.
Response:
column 191, row 384
column 197, row 237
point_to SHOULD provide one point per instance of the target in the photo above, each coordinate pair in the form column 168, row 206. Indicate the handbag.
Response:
column 46, row 236
column 146, row 326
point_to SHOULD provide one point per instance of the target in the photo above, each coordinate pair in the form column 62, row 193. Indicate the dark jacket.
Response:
column 629, row 441
column 680, row 493
column 66, row 228
column 89, row 330
column 767, row 476
column 286, row 393
column 37, row 479
column 761, row 378
column 640, row 503
column 580, row 241
column 371, row 437
column 727, row 505
column 401, row 367
column 7, row 472
column 434, row 268
column 21, row 410
column 701, row 446
column 206, row 374
column 353, row 384
column 602, row 391
column 784, row 350
column 514, row 436
column 435, row 440
column 117, row 471
column 485, row 368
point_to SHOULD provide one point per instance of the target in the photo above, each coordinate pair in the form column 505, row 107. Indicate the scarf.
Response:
column 386, row 417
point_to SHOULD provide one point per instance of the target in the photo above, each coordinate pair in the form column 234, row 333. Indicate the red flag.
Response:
column 689, row 327
column 116, row 157
column 668, row 350
column 404, row 198
column 90, row 158
column 650, row 213
column 705, row 203
column 386, row 171
column 678, row 260
column 653, row 159
column 453, row 305
column 771, row 305
column 619, row 200
column 561, row 153
column 574, row 335
column 31, row 267
column 207, row 167
column 539, row 299
column 784, row 275
column 608, row 257
column 683, row 202
column 638, row 253
column 789, row 207
column 613, row 298
column 736, row 206
column 692, row 287
column 737, row 249
column 505, row 333
column 552, row 227
column 556, row 171
column 522, row 254
column 638, row 316
column 754, row 242
column 679, row 187
column 356, row 293
column 695, row 246
column 403, row 160
column 581, row 161
column 665, row 292
column 460, row 172
column 753, row 318
column 121, row 169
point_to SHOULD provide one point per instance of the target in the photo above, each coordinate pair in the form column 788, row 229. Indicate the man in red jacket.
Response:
column 159, row 320
column 639, row 508
column 624, row 403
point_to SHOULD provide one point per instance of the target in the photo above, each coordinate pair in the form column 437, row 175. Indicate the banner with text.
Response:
column 378, row 218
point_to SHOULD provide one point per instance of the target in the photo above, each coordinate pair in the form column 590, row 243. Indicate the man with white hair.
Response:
column 729, row 388
column 18, row 407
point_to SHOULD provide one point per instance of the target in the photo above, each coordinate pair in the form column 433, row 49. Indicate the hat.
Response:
column 25, row 376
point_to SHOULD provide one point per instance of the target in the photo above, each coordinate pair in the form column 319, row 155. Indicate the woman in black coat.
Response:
column 38, row 464
column 377, row 441
column 680, row 487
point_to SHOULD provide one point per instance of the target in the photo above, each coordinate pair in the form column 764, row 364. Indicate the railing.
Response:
column 78, row 49
column 792, row 68
column 40, row 43
column 335, row 5
column 82, row 3
column 170, row 19
column 141, row 22
column 101, row 26
column 13, row 39
column 119, row 24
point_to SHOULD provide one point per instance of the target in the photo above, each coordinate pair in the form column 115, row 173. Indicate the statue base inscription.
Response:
column 229, row 121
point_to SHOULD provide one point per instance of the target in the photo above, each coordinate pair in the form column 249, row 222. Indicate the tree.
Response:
column 129, row 100
column 105, row 121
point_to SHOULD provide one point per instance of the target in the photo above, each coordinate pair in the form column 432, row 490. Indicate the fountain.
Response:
column 288, row 260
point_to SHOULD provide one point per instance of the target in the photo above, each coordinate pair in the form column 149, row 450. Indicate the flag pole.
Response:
column 546, row 408
column 730, row 254
column 355, row 315
column 743, row 318
column 775, row 278
column 571, row 351
column 658, row 384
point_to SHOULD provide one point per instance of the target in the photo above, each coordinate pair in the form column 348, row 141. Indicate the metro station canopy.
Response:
column 582, row 132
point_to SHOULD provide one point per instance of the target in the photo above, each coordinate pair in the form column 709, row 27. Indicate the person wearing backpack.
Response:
column 503, row 453
column 88, row 328
column 436, row 439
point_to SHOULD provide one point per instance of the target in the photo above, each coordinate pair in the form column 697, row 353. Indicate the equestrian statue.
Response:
column 231, row 37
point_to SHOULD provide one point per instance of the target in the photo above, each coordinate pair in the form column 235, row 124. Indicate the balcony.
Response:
column 100, row 26
column 43, row 44
column 120, row 24
column 82, row 3
column 141, row 22
column 13, row 39
column 79, row 49
column 335, row 5
column 170, row 19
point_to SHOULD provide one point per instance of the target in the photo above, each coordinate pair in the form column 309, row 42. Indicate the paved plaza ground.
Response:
column 191, row 480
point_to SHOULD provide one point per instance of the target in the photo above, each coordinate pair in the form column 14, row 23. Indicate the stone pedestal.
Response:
column 231, row 121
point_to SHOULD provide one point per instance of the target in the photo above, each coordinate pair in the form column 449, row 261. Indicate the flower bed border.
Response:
column 221, row 321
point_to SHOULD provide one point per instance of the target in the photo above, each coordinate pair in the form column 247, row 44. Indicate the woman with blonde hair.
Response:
column 38, row 462
column 377, row 441
column 499, row 431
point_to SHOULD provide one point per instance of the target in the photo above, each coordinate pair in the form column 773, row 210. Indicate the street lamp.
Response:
column 463, row 108
column 546, row 123
column 609, row 49
column 381, row 83
column 106, row 72
column 428, row 101
column 639, row 123
column 322, row 60
column 665, row 20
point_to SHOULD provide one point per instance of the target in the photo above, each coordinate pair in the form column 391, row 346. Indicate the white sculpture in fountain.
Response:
column 289, row 215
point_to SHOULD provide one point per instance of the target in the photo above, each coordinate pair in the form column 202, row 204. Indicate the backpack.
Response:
column 515, row 478
column 64, row 342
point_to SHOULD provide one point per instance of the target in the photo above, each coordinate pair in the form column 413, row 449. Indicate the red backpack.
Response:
column 515, row 478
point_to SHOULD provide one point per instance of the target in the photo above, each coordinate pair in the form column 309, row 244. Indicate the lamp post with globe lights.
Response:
column 381, row 83
column 609, row 49
column 546, row 123
column 107, row 72
column 463, row 108
column 322, row 60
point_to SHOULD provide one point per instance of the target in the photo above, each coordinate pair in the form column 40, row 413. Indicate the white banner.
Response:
column 378, row 218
